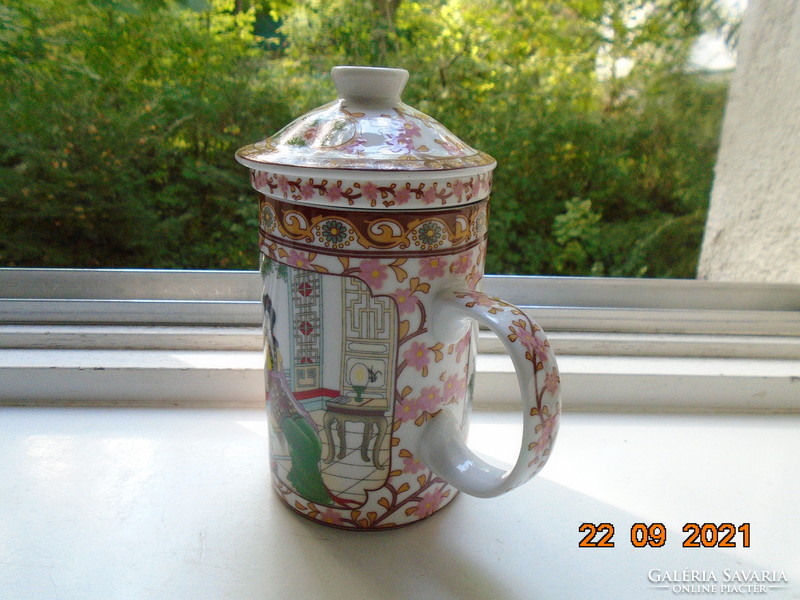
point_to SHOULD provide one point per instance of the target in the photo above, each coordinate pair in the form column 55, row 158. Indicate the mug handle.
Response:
column 442, row 445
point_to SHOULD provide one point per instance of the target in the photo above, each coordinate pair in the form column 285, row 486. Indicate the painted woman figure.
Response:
column 297, row 426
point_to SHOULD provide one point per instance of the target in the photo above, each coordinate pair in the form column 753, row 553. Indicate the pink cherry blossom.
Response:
column 411, row 129
column 533, row 344
column 408, row 410
column 462, row 345
column 430, row 399
column 412, row 465
column 480, row 299
column 462, row 264
column 399, row 142
column 406, row 301
column 477, row 184
column 402, row 195
column 552, row 381
column 355, row 145
column 369, row 190
column 454, row 389
column 547, row 431
column 259, row 179
column 330, row 516
column 283, row 184
column 429, row 196
column 429, row 503
column 298, row 260
column 334, row 192
column 473, row 278
column 373, row 273
column 458, row 188
column 417, row 356
column 448, row 144
column 432, row 267
column 307, row 191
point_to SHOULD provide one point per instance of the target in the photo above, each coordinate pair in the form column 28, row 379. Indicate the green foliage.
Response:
column 121, row 118
column 578, row 236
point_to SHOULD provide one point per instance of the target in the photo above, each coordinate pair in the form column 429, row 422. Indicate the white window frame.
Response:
column 193, row 338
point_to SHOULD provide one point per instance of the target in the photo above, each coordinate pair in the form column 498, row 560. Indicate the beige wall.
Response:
column 753, row 228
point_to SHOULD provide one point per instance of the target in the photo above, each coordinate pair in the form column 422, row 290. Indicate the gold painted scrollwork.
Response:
column 362, row 230
column 386, row 233
column 294, row 225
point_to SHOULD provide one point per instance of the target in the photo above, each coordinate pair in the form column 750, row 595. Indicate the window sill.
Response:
column 151, row 338
column 236, row 379
column 177, row 504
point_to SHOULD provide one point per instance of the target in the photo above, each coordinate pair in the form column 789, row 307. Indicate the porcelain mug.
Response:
column 371, row 304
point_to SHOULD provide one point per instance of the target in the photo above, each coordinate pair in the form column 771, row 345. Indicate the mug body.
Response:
column 353, row 367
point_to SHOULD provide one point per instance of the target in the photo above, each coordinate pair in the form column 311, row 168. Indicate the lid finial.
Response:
column 369, row 83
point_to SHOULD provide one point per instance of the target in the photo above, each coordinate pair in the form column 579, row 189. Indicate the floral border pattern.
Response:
column 443, row 231
column 442, row 191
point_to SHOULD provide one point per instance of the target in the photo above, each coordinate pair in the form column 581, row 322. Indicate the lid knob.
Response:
column 369, row 84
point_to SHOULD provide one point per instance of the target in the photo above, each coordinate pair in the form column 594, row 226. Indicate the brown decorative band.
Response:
column 443, row 191
column 343, row 232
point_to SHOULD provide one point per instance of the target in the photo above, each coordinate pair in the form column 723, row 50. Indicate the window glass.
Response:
column 121, row 117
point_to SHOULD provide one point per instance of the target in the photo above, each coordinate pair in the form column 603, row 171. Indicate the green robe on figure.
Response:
column 297, row 426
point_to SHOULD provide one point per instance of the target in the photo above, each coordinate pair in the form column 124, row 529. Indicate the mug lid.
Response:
column 367, row 128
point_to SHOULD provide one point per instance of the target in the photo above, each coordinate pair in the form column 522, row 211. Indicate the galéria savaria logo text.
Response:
column 726, row 581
